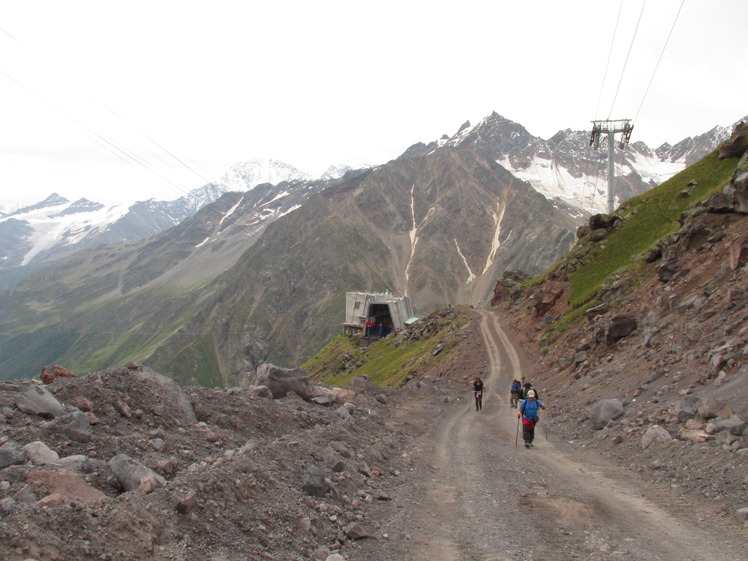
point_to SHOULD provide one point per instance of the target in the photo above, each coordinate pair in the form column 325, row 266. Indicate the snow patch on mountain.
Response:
column 653, row 169
column 587, row 192
column 61, row 224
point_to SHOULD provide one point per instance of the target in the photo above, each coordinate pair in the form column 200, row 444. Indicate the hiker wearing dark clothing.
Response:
column 526, row 389
column 528, row 410
column 515, row 394
column 478, row 392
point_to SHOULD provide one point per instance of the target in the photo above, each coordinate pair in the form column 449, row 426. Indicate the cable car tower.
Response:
column 611, row 127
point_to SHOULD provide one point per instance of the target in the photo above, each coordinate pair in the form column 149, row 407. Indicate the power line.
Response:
column 607, row 64
column 623, row 71
column 120, row 149
column 659, row 59
column 109, row 144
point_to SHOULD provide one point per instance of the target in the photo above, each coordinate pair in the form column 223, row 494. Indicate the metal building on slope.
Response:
column 376, row 314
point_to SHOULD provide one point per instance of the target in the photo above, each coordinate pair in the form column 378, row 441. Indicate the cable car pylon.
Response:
column 611, row 127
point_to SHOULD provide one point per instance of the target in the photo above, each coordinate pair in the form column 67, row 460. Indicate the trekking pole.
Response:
column 516, row 434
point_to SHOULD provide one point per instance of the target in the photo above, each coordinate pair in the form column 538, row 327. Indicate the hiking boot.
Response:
column 527, row 444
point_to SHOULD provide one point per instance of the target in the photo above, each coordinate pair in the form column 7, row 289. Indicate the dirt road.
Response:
column 479, row 497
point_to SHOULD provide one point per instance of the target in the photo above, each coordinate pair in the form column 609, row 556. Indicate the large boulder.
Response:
column 132, row 475
column 734, row 425
column 76, row 426
column 605, row 411
column 11, row 453
column 282, row 381
column 41, row 454
column 709, row 408
column 655, row 433
column 619, row 327
column 314, row 482
column 598, row 310
column 168, row 391
column 38, row 400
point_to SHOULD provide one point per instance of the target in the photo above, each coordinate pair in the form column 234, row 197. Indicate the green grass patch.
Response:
column 385, row 362
column 647, row 219
column 332, row 358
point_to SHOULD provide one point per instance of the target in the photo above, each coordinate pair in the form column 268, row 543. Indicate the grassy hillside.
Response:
column 424, row 347
column 646, row 219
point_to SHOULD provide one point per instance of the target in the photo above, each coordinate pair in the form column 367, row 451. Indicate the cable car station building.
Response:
column 376, row 314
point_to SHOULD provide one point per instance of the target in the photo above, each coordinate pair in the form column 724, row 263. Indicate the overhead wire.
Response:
column 672, row 27
column 610, row 54
column 118, row 149
column 625, row 63
column 124, row 153
column 109, row 144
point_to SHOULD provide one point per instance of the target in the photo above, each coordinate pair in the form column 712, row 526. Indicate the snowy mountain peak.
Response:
column 52, row 201
column 251, row 173
column 334, row 172
column 81, row 206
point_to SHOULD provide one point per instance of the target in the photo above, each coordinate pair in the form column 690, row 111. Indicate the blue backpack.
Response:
column 530, row 410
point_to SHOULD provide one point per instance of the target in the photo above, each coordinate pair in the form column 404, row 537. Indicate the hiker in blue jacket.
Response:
column 528, row 410
column 515, row 393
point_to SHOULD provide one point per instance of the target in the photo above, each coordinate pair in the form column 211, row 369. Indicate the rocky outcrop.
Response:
column 737, row 144
column 48, row 375
column 132, row 475
column 605, row 411
column 735, row 196
column 38, row 400
column 282, row 381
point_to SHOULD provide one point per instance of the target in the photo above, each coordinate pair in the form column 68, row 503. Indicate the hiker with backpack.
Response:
column 526, row 389
column 515, row 393
column 478, row 392
column 528, row 410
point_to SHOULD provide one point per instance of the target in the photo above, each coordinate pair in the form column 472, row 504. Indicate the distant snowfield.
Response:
column 655, row 170
column 51, row 228
column 588, row 192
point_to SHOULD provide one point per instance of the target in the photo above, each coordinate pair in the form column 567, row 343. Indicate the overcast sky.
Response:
column 121, row 101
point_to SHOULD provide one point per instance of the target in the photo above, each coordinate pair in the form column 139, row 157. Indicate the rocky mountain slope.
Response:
column 204, row 296
column 567, row 171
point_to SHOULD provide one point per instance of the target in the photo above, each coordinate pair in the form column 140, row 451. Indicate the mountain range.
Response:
column 562, row 168
column 47, row 232
column 260, row 274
